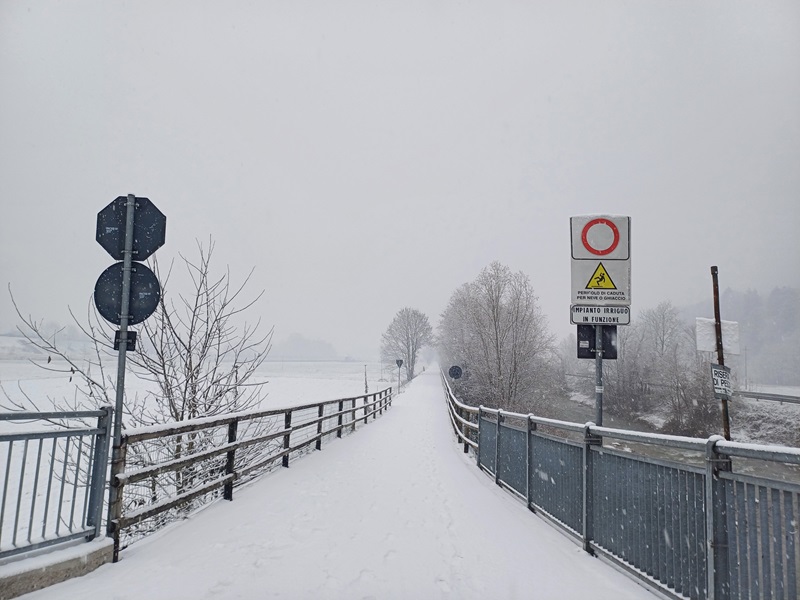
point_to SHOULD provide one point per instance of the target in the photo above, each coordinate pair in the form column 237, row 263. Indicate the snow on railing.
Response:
column 170, row 470
column 461, row 414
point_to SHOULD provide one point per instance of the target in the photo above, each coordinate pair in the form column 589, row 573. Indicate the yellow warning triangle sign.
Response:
column 600, row 280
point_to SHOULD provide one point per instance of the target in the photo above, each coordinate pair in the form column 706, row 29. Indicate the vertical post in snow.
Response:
column 726, row 423
column 117, row 460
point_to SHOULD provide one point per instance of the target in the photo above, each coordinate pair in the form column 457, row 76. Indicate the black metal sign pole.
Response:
column 116, row 459
column 726, row 423
column 598, row 364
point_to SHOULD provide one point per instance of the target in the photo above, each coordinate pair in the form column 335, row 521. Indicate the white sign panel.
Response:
column 600, row 315
column 601, row 260
column 603, row 237
column 706, row 336
column 721, row 379
column 602, row 283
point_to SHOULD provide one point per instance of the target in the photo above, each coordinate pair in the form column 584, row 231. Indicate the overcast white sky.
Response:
column 366, row 156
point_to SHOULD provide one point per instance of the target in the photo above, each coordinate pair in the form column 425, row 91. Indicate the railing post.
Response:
column 320, row 413
column 227, row 492
column 589, row 440
column 497, row 449
column 116, row 489
column 94, row 514
column 528, row 464
column 717, row 568
column 478, row 452
column 353, row 415
column 366, row 414
column 287, row 423
column 339, row 421
column 464, row 431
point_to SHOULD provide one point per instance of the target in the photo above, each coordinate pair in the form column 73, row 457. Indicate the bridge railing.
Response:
column 53, row 478
column 168, row 471
column 668, row 509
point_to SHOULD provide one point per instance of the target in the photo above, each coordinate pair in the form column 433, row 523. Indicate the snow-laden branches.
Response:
column 407, row 334
column 494, row 329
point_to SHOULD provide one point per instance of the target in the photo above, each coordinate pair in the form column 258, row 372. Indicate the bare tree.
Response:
column 494, row 328
column 659, row 374
column 196, row 356
column 195, row 351
column 406, row 335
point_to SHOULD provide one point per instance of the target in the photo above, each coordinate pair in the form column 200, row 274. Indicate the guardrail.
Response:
column 699, row 532
column 53, row 480
column 170, row 470
column 767, row 396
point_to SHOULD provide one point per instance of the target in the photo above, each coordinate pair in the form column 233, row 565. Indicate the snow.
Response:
column 706, row 336
column 51, row 559
column 394, row 511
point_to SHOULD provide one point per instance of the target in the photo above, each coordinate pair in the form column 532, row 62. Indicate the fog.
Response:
column 365, row 156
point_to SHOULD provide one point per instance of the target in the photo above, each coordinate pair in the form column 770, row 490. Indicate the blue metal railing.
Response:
column 53, row 479
column 684, row 520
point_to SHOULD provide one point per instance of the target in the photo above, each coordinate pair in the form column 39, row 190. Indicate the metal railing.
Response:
column 699, row 532
column 167, row 471
column 53, row 479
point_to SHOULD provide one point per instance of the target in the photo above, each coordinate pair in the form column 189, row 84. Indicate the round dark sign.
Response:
column 455, row 372
column 145, row 293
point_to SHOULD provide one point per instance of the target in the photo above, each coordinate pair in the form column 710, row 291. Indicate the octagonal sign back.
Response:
column 149, row 228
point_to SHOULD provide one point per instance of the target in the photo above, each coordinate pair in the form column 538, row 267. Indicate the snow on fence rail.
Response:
column 168, row 471
column 694, row 532
column 53, row 479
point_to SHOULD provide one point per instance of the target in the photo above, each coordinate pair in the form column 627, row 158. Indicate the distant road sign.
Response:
column 601, row 266
column 399, row 362
column 149, row 228
column 145, row 293
column 455, row 372
column 600, row 315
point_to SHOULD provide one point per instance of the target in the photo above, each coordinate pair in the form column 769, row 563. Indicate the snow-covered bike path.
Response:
column 395, row 511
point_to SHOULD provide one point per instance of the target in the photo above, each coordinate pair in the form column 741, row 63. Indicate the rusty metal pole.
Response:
column 726, row 423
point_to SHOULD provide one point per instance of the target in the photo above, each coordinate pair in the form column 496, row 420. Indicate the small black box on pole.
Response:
column 587, row 346
column 131, row 340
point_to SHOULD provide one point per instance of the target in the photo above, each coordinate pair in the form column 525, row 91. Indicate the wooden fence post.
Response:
column 115, row 501
column 288, row 426
column 320, row 413
column 227, row 492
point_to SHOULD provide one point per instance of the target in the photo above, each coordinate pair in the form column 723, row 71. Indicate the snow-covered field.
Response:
column 394, row 511
column 288, row 383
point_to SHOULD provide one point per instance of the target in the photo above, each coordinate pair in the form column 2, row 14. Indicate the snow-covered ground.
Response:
column 53, row 387
column 394, row 511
